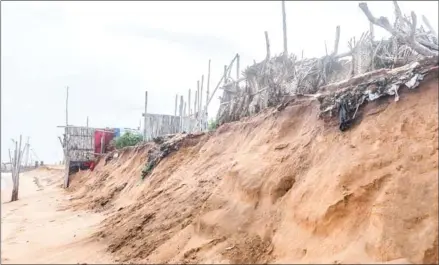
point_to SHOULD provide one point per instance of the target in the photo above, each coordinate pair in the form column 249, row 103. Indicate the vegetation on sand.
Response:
column 128, row 139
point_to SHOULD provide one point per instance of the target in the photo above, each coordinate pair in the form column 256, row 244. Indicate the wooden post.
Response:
column 66, row 146
column 176, row 100
column 66, row 174
column 145, row 117
column 195, row 103
column 14, row 174
column 208, row 84
column 201, row 104
column 198, row 97
column 201, row 98
column 16, row 170
column 189, row 102
column 284, row 21
column 181, row 113
column 372, row 37
column 219, row 83
column 267, row 45
column 237, row 66
column 337, row 40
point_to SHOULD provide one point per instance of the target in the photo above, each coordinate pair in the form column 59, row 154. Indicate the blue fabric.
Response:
column 116, row 132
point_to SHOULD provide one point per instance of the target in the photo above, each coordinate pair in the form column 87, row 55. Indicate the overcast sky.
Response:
column 109, row 53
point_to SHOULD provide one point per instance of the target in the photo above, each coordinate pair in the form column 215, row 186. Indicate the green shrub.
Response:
column 212, row 125
column 128, row 139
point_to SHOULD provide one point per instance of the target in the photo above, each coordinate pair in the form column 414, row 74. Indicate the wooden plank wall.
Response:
column 160, row 124
column 81, row 143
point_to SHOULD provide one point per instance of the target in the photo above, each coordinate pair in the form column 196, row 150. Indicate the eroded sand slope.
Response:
column 281, row 187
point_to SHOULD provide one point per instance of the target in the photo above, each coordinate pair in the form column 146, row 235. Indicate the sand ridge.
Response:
column 280, row 187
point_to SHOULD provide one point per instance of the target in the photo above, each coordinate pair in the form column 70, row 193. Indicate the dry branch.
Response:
column 402, row 36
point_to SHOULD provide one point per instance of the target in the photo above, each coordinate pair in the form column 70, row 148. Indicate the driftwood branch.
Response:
column 384, row 23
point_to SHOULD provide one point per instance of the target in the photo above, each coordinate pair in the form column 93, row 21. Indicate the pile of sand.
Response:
column 281, row 187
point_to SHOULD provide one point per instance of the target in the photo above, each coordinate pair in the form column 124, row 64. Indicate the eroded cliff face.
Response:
column 281, row 187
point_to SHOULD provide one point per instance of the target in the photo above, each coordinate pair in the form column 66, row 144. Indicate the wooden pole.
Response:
column 207, row 85
column 14, row 173
column 237, row 67
column 284, row 21
column 267, row 45
column 66, row 173
column 198, row 97
column 201, row 104
column 201, row 97
column 219, row 83
column 225, row 74
column 145, row 117
column 195, row 102
column 176, row 100
column 20, row 156
column 337, row 40
column 372, row 52
column 181, row 113
column 66, row 145
column 189, row 102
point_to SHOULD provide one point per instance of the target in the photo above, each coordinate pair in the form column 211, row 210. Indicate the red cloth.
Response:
column 108, row 136
column 92, row 165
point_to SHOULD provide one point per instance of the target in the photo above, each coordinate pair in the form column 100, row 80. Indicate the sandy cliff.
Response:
column 281, row 187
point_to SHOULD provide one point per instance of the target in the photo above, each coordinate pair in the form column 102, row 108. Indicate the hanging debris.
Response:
column 346, row 100
column 164, row 146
